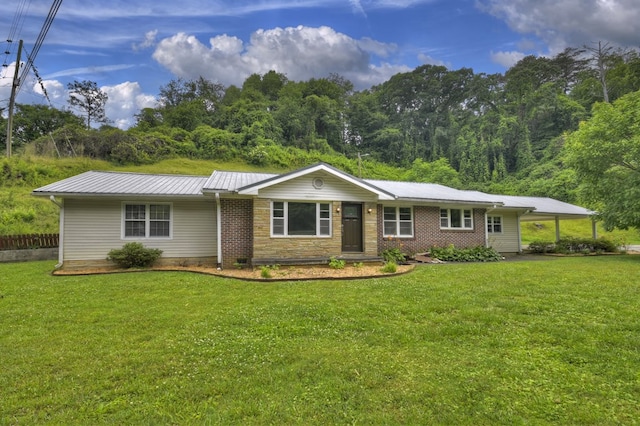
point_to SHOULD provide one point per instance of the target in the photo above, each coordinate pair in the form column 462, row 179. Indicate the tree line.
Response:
column 493, row 132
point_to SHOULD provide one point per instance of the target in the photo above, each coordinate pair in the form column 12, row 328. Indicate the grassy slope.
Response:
column 542, row 342
column 546, row 231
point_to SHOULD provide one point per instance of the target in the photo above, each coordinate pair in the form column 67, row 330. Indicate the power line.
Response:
column 14, row 31
column 36, row 48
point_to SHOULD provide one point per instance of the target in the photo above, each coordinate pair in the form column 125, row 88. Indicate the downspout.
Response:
column 60, row 232
column 219, row 231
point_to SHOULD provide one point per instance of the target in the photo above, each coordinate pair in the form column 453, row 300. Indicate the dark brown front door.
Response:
column 351, row 227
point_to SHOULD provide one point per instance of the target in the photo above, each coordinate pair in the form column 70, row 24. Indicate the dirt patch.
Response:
column 282, row 273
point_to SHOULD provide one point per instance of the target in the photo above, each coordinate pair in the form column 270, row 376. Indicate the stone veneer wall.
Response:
column 237, row 230
column 427, row 232
column 267, row 247
column 370, row 228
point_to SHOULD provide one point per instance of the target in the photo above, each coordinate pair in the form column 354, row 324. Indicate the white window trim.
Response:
column 286, row 220
column 397, row 222
column 147, row 219
column 449, row 227
column 491, row 218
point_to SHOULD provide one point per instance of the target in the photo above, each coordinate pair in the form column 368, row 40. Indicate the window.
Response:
column 494, row 224
column 456, row 218
column 300, row 219
column 397, row 221
column 147, row 221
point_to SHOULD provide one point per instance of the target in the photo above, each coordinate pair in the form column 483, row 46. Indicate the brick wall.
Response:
column 237, row 230
column 427, row 232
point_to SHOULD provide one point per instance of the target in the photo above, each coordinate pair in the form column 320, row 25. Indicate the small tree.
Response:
column 90, row 99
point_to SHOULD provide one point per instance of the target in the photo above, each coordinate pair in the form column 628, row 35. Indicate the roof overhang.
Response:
column 49, row 194
column 541, row 216
column 440, row 201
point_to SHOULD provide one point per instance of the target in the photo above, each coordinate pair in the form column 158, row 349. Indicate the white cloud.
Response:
column 426, row 59
column 76, row 72
column 507, row 59
column 299, row 52
column 125, row 100
column 570, row 22
column 149, row 41
column 56, row 91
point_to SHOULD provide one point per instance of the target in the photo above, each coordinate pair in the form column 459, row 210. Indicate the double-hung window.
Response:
column 456, row 219
column 398, row 221
column 292, row 219
column 494, row 224
column 146, row 220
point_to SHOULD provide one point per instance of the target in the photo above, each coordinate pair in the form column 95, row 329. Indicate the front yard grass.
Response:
column 540, row 342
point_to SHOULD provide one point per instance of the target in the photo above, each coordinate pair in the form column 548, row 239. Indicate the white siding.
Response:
column 92, row 227
column 302, row 188
column 507, row 241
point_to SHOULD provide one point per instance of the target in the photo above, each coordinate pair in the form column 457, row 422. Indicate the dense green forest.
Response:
column 501, row 133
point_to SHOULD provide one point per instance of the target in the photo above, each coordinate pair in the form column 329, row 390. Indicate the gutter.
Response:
column 218, row 232
column 60, row 231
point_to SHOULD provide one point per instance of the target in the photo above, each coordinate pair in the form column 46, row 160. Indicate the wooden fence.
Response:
column 32, row 241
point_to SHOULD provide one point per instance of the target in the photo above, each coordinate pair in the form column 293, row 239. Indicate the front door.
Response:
column 351, row 227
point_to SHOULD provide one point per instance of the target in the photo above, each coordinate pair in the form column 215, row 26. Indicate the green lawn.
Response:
column 539, row 342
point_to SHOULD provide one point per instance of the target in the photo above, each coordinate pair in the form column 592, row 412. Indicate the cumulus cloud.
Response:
column 299, row 52
column 507, row 59
column 125, row 100
column 570, row 22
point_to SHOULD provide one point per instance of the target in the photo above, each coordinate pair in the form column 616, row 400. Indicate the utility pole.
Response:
column 12, row 99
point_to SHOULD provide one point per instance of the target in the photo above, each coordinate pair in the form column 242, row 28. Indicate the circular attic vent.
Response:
column 318, row 183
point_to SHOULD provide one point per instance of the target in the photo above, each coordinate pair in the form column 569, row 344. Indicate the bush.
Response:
column 540, row 246
column 475, row 254
column 569, row 245
column 335, row 263
column 134, row 255
column 390, row 267
column 584, row 245
column 265, row 271
column 393, row 255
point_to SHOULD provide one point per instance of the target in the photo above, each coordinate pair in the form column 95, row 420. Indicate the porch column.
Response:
column 557, row 229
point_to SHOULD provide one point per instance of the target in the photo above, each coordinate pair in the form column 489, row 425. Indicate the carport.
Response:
column 539, row 209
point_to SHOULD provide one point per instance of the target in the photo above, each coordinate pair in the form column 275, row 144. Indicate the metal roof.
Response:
column 432, row 192
column 221, row 181
column 541, row 206
column 122, row 183
column 104, row 183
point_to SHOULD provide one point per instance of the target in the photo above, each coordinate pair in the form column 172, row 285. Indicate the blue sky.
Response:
column 132, row 48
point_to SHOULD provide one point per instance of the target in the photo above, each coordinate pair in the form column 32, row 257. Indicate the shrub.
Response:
column 134, row 255
column 474, row 254
column 584, row 245
column 570, row 245
column 540, row 246
column 390, row 267
column 393, row 255
column 335, row 263
column 265, row 271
